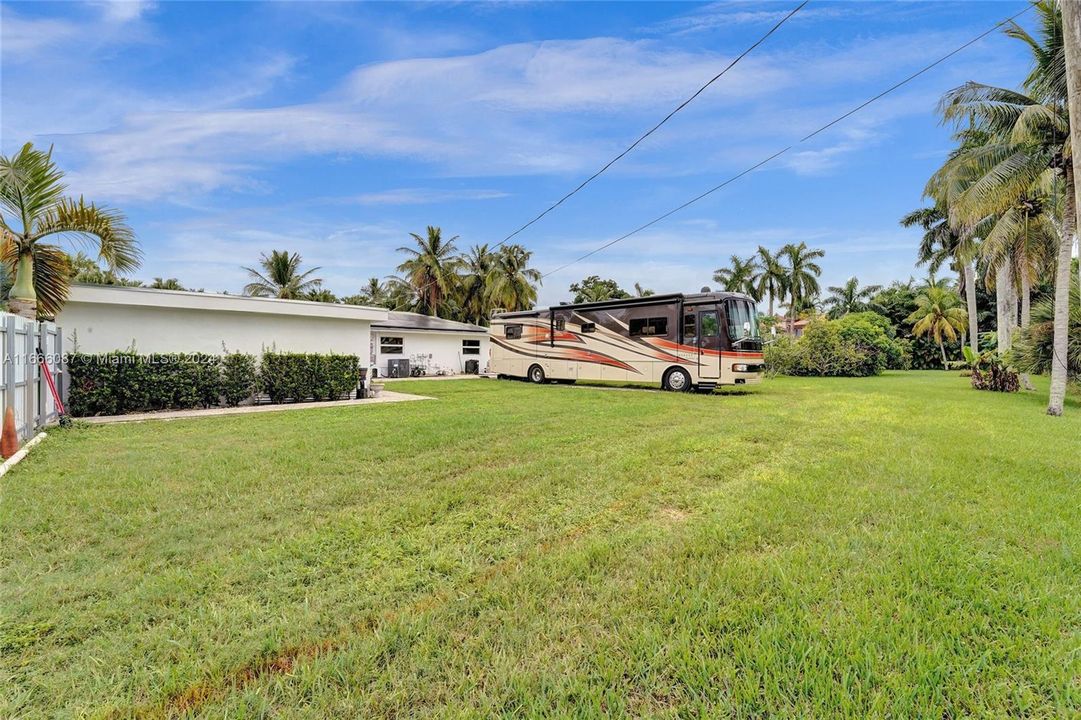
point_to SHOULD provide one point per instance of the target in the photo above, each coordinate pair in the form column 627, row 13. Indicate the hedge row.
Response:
column 124, row 382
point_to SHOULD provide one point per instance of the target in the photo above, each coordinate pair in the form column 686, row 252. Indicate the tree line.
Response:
column 435, row 278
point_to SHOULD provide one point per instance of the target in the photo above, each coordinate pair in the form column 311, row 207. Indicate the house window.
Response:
column 561, row 323
column 512, row 332
column 391, row 345
column 649, row 326
column 589, row 327
column 470, row 347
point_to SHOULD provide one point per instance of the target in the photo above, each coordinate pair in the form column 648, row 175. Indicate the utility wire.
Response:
column 649, row 132
column 777, row 154
column 656, row 127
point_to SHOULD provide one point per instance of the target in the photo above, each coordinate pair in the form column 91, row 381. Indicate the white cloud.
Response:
column 426, row 196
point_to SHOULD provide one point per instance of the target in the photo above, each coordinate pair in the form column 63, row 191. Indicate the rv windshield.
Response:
column 742, row 319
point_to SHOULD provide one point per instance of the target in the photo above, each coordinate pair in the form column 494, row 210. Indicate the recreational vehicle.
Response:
column 682, row 341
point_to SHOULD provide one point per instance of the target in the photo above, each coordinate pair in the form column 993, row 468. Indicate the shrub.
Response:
column 301, row 376
column 990, row 372
column 239, row 378
column 855, row 345
column 123, row 382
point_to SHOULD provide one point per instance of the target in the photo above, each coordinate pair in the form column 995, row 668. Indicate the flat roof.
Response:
column 218, row 302
column 416, row 321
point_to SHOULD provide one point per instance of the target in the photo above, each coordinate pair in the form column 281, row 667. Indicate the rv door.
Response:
column 709, row 344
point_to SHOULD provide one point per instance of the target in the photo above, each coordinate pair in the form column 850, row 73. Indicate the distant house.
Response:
column 781, row 323
column 434, row 344
column 104, row 318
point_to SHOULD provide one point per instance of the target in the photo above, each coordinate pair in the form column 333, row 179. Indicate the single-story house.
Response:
column 437, row 345
column 104, row 318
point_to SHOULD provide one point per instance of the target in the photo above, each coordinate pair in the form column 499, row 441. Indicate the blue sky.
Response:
column 335, row 129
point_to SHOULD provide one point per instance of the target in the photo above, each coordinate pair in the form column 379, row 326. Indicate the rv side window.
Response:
column 589, row 327
column 649, row 326
column 690, row 332
column 561, row 323
column 391, row 345
column 470, row 347
column 513, row 332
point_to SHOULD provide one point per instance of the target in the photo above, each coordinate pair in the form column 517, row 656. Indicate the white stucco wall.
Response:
column 445, row 348
column 102, row 320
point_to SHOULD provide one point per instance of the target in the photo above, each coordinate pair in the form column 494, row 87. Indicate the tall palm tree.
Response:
column 512, row 284
column 850, row 297
column 34, row 210
column 771, row 279
column 431, row 270
column 738, row 276
column 938, row 313
column 280, row 277
column 942, row 244
column 374, row 292
column 803, row 272
column 1028, row 149
column 640, row 291
column 475, row 298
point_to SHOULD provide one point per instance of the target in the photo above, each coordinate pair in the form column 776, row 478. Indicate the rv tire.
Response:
column 676, row 380
column 536, row 374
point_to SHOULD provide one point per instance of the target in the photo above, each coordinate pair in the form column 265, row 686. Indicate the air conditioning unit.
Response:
column 397, row 368
column 472, row 367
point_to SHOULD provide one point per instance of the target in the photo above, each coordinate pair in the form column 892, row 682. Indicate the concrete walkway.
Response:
column 431, row 377
column 384, row 397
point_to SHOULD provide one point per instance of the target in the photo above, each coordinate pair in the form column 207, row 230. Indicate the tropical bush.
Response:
column 1033, row 350
column 240, row 378
column 990, row 372
column 857, row 345
column 122, row 382
column 125, row 382
column 304, row 376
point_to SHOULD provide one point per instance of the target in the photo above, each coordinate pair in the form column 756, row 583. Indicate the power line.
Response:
column 649, row 132
column 777, row 154
column 656, row 127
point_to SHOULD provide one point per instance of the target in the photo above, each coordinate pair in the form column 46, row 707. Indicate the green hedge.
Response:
column 304, row 376
column 125, row 382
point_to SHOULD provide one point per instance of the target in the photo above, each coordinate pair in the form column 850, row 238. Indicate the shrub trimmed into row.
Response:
column 125, row 382
column 303, row 376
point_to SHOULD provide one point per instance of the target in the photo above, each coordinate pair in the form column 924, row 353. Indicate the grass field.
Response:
column 896, row 546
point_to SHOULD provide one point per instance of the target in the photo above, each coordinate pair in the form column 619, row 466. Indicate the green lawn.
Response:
column 897, row 546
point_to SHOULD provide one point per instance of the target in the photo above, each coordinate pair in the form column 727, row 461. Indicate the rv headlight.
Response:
column 740, row 367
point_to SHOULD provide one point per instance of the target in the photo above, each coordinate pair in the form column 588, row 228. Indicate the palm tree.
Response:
column 739, row 276
column 431, row 270
column 938, row 314
column 771, row 279
column 850, row 297
column 280, row 277
column 373, row 292
column 640, row 291
column 33, row 209
column 166, row 284
column 474, row 295
column 803, row 272
column 512, row 284
column 320, row 294
column 1027, row 150
column 941, row 244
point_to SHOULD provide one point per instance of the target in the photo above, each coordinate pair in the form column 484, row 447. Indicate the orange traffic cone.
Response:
column 9, row 439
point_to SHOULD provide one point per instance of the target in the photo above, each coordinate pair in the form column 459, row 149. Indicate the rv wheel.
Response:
column 677, row 380
column 536, row 374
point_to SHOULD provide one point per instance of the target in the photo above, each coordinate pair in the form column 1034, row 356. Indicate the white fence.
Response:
column 22, row 383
